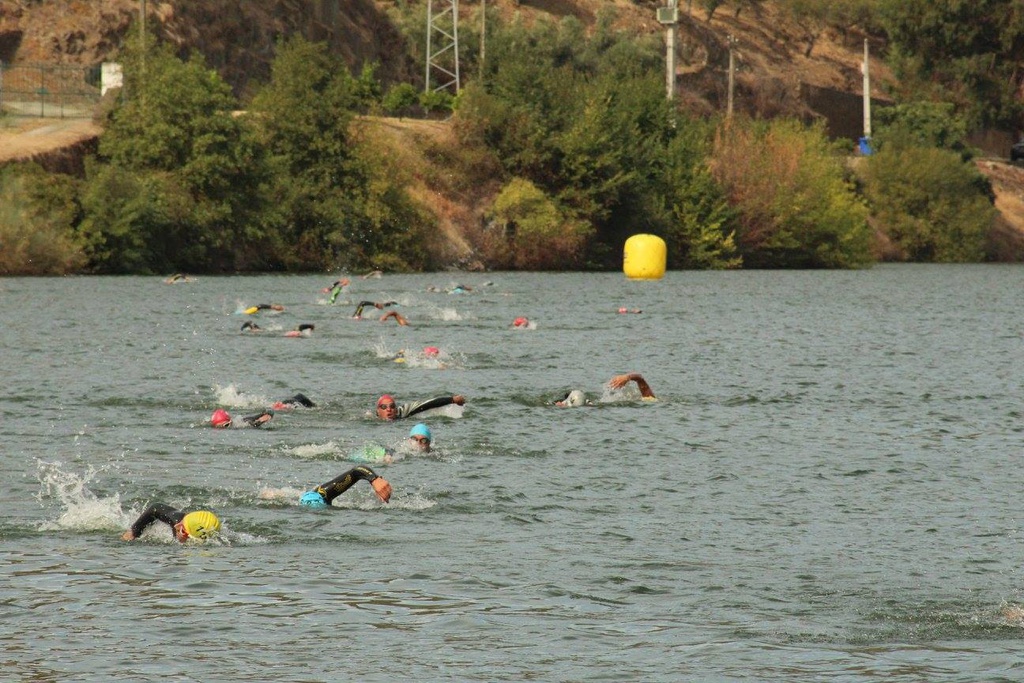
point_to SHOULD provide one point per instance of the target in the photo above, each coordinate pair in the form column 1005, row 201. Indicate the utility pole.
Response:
column 867, row 93
column 732, row 78
column 668, row 17
column 446, row 25
column 142, row 31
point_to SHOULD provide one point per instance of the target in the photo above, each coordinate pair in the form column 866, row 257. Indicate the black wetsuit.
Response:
column 298, row 400
column 363, row 304
column 337, row 486
column 408, row 409
column 257, row 419
column 157, row 511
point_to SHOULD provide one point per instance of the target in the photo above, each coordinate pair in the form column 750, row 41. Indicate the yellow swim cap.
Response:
column 201, row 524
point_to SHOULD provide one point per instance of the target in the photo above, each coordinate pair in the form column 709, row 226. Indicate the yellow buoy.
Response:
column 643, row 257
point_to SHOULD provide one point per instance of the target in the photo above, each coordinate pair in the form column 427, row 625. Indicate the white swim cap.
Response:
column 575, row 398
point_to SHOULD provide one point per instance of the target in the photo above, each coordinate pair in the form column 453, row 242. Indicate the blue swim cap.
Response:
column 312, row 499
column 421, row 430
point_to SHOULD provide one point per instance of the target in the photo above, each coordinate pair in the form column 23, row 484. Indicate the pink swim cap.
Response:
column 431, row 350
column 520, row 322
column 220, row 418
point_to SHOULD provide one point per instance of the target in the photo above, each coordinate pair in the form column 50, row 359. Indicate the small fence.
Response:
column 49, row 90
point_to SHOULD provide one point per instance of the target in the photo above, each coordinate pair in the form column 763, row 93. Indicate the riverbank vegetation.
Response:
column 563, row 142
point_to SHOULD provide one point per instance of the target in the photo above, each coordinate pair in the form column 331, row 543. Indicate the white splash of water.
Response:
column 81, row 509
column 315, row 451
column 233, row 398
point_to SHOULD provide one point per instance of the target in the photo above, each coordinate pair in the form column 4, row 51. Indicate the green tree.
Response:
column 180, row 176
column 700, row 232
column 923, row 124
column 928, row 202
column 585, row 120
column 331, row 204
column 401, row 99
column 967, row 53
column 796, row 206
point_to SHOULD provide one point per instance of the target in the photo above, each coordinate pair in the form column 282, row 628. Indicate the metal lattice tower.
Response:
column 443, row 58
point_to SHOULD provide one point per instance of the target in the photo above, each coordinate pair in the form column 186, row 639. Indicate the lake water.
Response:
column 829, row 488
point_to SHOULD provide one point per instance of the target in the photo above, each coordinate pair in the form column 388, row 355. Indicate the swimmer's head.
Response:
column 431, row 351
column 387, row 409
column 576, row 398
column 623, row 309
column 520, row 322
column 422, row 436
column 313, row 499
column 220, row 418
column 201, row 524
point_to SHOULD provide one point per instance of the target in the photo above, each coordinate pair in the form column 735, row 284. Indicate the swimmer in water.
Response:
column 335, row 289
column 396, row 315
column 221, row 419
column 623, row 309
column 322, row 495
column 573, row 399
column 304, row 330
column 263, row 307
column 200, row 525
column 619, row 381
column 418, row 441
column 379, row 305
column 521, row 322
column 387, row 409
column 296, row 401
column 250, row 326
column 577, row 398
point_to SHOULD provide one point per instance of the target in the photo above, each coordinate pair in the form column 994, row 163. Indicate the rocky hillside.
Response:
column 236, row 36
column 775, row 73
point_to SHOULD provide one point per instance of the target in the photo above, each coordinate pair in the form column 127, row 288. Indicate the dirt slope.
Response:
column 27, row 138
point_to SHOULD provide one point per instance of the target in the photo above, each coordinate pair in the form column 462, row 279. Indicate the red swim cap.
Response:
column 220, row 418
column 431, row 350
column 520, row 322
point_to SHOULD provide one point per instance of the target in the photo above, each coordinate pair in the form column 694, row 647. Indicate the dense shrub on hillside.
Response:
column 700, row 230
column 537, row 235
column 36, row 213
column 929, row 203
column 796, row 207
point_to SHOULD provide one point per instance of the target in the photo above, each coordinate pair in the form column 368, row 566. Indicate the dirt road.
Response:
column 23, row 138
